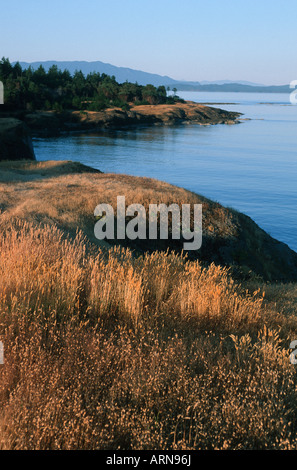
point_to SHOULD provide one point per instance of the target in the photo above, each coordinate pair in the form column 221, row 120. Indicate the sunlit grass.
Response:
column 105, row 350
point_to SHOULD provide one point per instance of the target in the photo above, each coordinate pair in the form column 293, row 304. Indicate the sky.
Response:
column 192, row 40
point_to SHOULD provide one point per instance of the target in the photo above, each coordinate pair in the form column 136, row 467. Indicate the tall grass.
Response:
column 104, row 350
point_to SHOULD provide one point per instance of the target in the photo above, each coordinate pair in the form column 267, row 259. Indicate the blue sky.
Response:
column 191, row 39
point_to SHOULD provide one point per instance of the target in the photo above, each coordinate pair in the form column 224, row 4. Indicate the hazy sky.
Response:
column 251, row 40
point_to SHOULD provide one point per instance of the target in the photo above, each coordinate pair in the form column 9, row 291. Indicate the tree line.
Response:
column 58, row 90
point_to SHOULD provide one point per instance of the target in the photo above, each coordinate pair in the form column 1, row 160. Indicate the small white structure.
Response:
column 1, row 93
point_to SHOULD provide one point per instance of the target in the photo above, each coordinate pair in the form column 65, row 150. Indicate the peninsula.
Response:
column 54, row 101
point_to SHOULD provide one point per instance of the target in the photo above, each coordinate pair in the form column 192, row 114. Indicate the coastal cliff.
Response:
column 15, row 140
column 66, row 193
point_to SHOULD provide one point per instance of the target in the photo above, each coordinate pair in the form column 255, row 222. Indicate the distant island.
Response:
column 232, row 88
column 54, row 101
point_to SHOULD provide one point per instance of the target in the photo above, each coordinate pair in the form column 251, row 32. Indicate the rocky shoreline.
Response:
column 113, row 118
column 49, row 123
column 17, row 128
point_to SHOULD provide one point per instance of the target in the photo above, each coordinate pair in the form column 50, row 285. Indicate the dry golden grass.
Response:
column 107, row 351
column 66, row 194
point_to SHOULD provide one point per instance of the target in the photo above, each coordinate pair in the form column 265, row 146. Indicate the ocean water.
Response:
column 251, row 166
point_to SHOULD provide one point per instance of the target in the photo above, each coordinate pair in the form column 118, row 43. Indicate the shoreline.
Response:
column 50, row 123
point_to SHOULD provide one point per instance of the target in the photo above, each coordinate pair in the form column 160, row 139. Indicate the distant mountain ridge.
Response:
column 143, row 78
column 233, row 87
column 121, row 73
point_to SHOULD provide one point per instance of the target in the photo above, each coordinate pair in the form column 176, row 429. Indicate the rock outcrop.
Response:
column 15, row 140
column 167, row 114
column 51, row 123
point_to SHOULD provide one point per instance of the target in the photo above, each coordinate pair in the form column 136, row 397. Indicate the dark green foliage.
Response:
column 58, row 90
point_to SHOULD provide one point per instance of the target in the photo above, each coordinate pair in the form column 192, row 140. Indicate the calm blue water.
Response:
column 251, row 166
